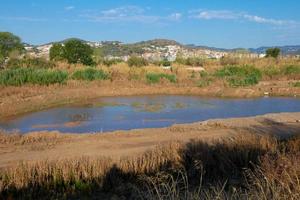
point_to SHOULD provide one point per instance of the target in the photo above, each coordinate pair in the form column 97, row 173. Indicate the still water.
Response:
column 125, row 113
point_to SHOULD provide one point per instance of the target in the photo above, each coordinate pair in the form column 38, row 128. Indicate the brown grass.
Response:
column 247, row 167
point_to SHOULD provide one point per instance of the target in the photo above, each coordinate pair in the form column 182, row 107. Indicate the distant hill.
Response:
column 285, row 50
column 158, row 42
column 117, row 48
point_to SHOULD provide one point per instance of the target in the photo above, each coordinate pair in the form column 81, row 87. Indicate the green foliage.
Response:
column 137, row 61
column 57, row 52
column 21, row 76
column 297, row 84
column 192, row 61
column 165, row 63
column 156, row 77
column 226, row 60
column 90, row 74
column 8, row 43
column 271, row 71
column 273, row 52
column 203, row 74
column 74, row 51
column 240, row 75
column 110, row 62
column 292, row 69
column 30, row 63
column 204, row 82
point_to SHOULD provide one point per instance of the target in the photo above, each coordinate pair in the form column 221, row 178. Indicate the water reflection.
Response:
column 123, row 113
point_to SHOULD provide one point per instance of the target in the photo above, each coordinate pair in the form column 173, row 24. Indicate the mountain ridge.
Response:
column 285, row 49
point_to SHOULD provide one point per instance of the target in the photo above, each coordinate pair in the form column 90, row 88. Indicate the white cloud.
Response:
column 214, row 14
column 175, row 16
column 231, row 15
column 69, row 8
column 128, row 14
column 263, row 20
column 125, row 13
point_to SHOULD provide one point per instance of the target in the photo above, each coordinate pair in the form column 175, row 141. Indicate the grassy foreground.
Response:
column 245, row 167
column 229, row 72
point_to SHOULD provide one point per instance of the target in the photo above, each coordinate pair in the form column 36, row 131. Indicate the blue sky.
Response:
column 218, row 23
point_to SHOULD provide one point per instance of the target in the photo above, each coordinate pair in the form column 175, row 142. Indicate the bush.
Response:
column 292, row 69
column 137, row 62
column 271, row 71
column 192, row 61
column 224, row 61
column 21, row 76
column 110, row 62
column 272, row 52
column 297, row 84
column 90, row 74
column 155, row 78
column 240, row 75
column 30, row 63
column 204, row 82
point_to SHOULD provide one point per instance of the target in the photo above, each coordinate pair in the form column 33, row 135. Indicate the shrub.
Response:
column 240, row 75
column 271, row 71
column 204, row 82
column 204, row 74
column 292, row 69
column 156, row 77
column 224, row 61
column 30, row 63
column 110, row 62
column 90, row 74
column 273, row 52
column 137, row 61
column 165, row 63
column 191, row 61
column 297, row 84
column 21, row 76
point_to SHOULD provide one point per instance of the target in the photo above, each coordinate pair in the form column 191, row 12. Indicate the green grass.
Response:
column 21, row 76
column 204, row 82
column 90, row 74
column 297, row 84
column 292, row 69
column 271, row 71
column 156, row 77
column 240, row 75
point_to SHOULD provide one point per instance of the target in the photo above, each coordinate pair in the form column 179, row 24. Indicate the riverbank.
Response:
column 16, row 101
column 51, row 146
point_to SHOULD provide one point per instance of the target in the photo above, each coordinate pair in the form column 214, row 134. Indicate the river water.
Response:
column 125, row 113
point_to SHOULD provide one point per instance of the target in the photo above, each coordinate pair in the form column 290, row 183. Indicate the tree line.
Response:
column 74, row 51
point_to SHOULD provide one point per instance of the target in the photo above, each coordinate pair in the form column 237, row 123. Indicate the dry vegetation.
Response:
column 244, row 167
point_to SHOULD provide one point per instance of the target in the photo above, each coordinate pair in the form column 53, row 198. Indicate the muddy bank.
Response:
column 39, row 146
column 19, row 100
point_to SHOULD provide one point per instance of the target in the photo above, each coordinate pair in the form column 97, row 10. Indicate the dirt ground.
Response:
column 40, row 146
column 19, row 100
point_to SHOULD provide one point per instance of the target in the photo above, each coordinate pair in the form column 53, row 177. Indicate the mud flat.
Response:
column 38, row 146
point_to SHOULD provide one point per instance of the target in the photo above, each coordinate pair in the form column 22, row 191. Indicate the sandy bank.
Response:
column 53, row 145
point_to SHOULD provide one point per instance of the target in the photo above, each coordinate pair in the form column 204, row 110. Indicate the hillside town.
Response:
column 152, row 52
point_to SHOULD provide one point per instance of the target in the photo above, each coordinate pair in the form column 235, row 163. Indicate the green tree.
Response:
column 137, row 61
column 273, row 52
column 57, row 52
column 166, row 63
column 75, row 51
column 9, row 43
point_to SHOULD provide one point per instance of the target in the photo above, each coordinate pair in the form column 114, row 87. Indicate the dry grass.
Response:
column 247, row 167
